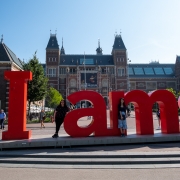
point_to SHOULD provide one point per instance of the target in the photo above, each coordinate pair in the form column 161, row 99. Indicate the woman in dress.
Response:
column 122, row 114
column 59, row 115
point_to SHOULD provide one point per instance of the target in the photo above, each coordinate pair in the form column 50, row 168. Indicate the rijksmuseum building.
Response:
column 69, row 73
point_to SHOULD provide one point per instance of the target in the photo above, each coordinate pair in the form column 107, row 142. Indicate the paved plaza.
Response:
column 162, row 159
column 49, row 129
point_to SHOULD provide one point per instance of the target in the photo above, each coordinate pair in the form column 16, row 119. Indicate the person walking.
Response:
column 2, row 118
column 159, row 120
column 59, row 115
column 122, row 114
column 42, row 117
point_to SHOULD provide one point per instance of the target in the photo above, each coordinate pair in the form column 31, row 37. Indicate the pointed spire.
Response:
column 1, row 38
column 62, row 48
column 99, row 50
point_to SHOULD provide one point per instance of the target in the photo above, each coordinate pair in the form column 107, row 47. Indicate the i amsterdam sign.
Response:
column 142, row 101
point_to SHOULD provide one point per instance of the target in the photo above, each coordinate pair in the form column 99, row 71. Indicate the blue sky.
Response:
column 150, row 28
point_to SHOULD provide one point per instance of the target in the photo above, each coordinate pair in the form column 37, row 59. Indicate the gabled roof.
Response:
column 7, row 55
column 89, row 60
column 53, row 43
column 118, row 43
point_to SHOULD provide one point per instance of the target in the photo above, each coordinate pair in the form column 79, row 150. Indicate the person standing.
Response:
column 59, row 115
column 42, row 117
column 122, row 114
column 159, row 120
column 2, row 118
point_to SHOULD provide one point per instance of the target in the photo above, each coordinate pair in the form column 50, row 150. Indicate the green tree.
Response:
column 37, row 88
column 53, row 97
column 176, row 94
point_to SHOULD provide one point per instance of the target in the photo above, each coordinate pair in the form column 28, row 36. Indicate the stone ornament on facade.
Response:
column 140, row 85
column 104, row 83
column 72, row 83
column 162, row 85
column 151, row 85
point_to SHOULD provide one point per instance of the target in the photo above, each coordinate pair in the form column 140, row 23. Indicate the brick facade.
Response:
column 110, row 71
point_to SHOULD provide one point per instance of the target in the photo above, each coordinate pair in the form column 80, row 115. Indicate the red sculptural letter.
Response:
column 143, row 111
column 99, row 124
column 17, row 105
column 168, row 110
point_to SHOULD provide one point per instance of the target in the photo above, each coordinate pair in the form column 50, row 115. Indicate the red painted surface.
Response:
column 17, row 105
column 142, row 101
column 168, row 110
column 143, row 111
column 98, row 127
column 143, row 104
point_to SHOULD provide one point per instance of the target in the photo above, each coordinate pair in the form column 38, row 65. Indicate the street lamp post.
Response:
column 84, row 72
column 128, row 82
column 85, row 76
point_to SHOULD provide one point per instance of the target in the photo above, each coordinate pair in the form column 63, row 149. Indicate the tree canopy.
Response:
column 37, row 88
column 176, row 94
column 53, row 97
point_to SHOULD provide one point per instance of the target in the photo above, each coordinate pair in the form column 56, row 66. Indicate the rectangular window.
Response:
column 51, row 72
column 103, row 70
column 130, row 71
column 111, row 70
column 62, row 87
column 159, row 71
column 62, row 80
column 138, row 71
column 87, row 61
column 168, row 70
column 72, row 71
column 121, row 72
column 148, row 71
column 62, row 70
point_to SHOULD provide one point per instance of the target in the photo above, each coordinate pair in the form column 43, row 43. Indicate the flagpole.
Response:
column 84, row 72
